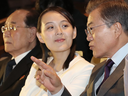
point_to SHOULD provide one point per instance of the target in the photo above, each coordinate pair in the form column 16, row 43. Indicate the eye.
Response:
column 50, row 27
column 91, row 28
column 65, row 25
column 12, row 27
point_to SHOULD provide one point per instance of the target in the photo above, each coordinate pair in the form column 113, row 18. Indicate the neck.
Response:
column 23, row 50
column 59, row 59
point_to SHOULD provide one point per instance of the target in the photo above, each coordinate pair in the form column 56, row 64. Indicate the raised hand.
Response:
column 47, row 76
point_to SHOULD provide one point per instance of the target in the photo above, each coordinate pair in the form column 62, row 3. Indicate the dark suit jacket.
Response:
column 16, row 79
column 113, row 86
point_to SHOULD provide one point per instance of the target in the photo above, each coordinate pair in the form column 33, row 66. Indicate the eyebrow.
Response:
column 89, row 24
column 48, row 23
column 11, row 23
column 65, row 21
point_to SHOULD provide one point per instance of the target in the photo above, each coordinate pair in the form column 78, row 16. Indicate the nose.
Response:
column 59, row 31
column 6, row 33
column 89, row 37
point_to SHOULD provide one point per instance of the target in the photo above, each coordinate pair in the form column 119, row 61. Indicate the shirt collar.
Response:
column 120, row 54
column 20, row 57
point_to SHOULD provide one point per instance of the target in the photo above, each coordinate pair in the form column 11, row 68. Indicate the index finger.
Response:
column 40, row 63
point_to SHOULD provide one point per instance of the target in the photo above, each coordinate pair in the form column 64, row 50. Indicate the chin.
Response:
column 7, row 50
column 96, row 55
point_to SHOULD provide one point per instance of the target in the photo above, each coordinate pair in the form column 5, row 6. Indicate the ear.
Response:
column 118, row 29
column 32, row 34
column 74, row 33
column 39, row 37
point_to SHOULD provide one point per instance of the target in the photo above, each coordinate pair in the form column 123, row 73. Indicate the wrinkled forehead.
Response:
column 17, row 17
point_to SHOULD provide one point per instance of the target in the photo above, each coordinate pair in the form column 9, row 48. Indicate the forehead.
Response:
column 52, row 16
column 17, row 17
column 94, row 18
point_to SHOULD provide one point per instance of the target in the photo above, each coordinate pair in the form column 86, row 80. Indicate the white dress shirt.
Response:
column 20, row 57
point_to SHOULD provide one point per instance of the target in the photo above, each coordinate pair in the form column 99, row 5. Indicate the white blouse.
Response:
column 75, row 78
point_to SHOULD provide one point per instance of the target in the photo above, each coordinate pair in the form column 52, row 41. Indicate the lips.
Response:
column 91, row 46
column 59, row 40
column 7, row 42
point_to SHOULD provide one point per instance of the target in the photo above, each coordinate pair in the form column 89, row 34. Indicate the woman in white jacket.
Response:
column 57, row 33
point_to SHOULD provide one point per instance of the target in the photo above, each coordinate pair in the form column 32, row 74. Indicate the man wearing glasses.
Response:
column 19, row 35
column 107, row 33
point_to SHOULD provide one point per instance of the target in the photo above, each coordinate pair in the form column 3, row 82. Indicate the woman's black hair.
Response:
column 41, row 5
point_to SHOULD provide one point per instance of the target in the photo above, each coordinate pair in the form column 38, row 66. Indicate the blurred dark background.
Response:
column 8, row 6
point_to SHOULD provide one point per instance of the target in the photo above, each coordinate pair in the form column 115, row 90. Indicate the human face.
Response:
column 17, row 42
column 56, row 32
column 103, row 39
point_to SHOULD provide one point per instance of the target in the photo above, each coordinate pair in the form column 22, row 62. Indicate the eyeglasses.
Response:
column 10, row 28
column 89, row 29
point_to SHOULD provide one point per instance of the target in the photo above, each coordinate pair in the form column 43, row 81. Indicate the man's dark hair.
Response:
column 112, row 12
column 93, row 4
column 31, row 18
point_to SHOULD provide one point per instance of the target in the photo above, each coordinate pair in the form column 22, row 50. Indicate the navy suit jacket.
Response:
column 12, row 85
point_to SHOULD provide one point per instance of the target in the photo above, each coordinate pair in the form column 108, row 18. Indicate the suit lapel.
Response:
column 3, row 63
column 96, row 74
column 16, row 74
column 21, row 69
column 112, row 79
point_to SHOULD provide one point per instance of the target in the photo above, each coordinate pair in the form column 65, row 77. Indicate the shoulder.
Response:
column 4, row 59
column 100, row 65
column 80, row 61
column 80, row 64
